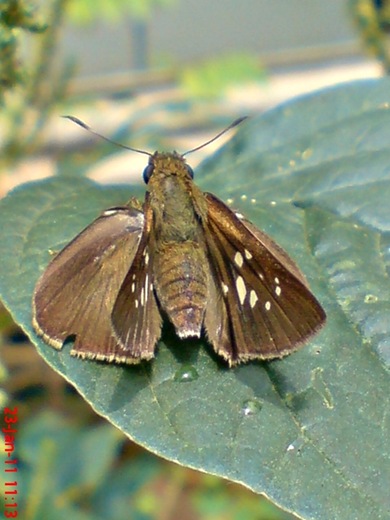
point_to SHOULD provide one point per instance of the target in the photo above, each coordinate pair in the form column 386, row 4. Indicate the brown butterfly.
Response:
column 182, row 254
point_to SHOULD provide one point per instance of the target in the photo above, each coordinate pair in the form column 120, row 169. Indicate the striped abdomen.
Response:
column 181, row 281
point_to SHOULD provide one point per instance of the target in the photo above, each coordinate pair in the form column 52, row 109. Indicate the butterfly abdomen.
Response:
column 181, row 281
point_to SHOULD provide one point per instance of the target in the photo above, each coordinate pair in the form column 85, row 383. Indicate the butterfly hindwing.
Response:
column 136, row 317
column 268, row 309
column 75, row 295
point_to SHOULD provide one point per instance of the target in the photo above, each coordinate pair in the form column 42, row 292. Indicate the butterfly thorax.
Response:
column 180, row 264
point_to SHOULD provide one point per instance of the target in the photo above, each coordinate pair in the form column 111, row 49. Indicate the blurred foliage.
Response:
column 211, row 78
column 33, row 83
column 16, row 16
column 87, row 11
column 372, row 18
column 214, row 499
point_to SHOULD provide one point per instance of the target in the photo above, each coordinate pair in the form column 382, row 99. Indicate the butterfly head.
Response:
column 163, row 165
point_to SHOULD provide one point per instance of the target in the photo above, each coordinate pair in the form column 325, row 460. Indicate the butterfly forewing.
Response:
column 269, row 307
column 136, row 318
column 75, row 295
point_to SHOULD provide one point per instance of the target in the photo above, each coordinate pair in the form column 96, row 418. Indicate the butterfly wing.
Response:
column 76, row 293
column 266, row 309
column 136, row 317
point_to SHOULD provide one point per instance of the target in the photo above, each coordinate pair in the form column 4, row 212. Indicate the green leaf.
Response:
column 310, row 431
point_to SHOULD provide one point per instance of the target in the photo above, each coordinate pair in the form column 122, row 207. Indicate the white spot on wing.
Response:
column 278, row 290
column 146, row 287
column 276, row 280
column 267, row 306
column 253, row 298
column 239, row 215
column 133, row 287
column 248, row 255
column 225, row 288
column 241, row 289
column 238, row 259
column 146, row 258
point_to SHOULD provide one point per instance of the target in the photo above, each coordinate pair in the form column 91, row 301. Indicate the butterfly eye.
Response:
column 190, row 171
column 147, row 173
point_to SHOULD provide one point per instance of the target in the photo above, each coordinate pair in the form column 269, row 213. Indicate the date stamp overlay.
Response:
column 10, row 429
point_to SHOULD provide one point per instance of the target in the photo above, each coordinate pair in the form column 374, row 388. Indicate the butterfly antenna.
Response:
column 89, row 129
column 232, row 125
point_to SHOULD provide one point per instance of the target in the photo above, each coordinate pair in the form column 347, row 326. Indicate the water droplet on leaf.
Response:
column 186, row 374
column 295, row 447
column 251, row 406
